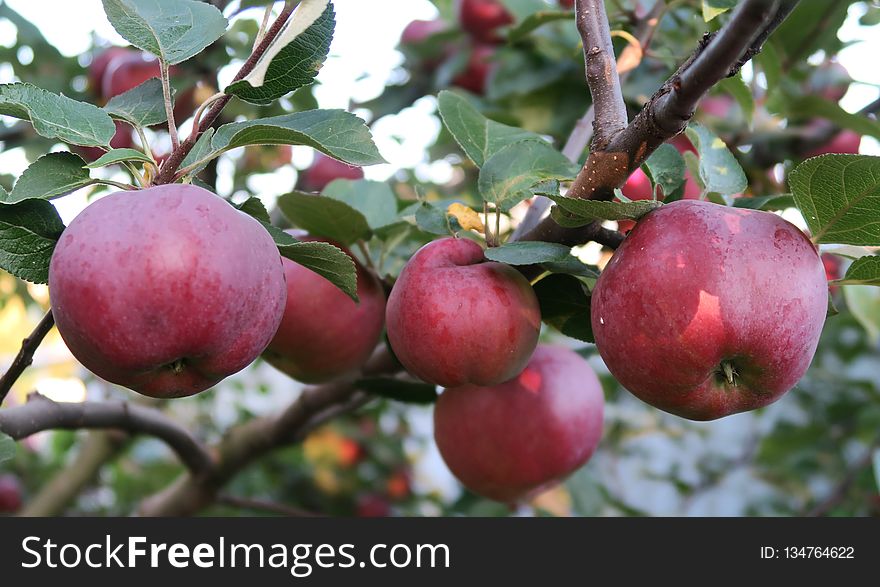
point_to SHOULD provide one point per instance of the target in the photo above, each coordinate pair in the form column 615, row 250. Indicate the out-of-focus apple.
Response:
column 10, row 494
column 325, row 169
column 482, row 19
column 476, row 72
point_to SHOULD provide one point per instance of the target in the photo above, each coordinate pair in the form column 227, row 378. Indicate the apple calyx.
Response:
column 726, row 373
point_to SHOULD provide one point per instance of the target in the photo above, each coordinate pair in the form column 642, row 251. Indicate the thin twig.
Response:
column 25, row 355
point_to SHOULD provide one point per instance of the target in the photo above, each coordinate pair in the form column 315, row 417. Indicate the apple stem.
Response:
column 486, row 230
column 169, row 105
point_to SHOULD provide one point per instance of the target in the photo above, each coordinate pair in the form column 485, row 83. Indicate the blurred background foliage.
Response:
column 813, row 452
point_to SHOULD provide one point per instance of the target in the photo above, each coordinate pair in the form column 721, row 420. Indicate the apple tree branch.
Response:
column 40, row 413
column 668, row 111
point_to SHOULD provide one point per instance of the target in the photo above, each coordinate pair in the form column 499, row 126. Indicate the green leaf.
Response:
column 118, row 156
column 742, row 93
column 7, row 447
column 326, row 260
column 375, row 200
column 863, row 271
column 294, row 58
column 586, row 211
column 254, row 207
column 714, row 8
column 326, row 217
column 778, row 202
column 410, row 392
column 173, row 30
column 812, row 106
column 665, row 167
column 864, row 304
column 201, row 152
column 839, row 197
column 535, row 20
column 435, row 220
column 29, row 231
column 57, row 117
column 143, row 105
column 571, row 265
column 337, row 133
column 565, row 305
column 50, row 176
column 720, row 171
column 528, row 253
column 507, row 176
column 479, row 137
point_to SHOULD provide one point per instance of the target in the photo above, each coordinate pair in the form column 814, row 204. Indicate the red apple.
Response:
column 846, row 141
column 482, row 18
column 830, row 80
column 127, row 71
column 121, row 140
column 454, row 318
column 325, row 169
column 717, row 106
column 418, row 31
column 166, row 290
column 638, row 187
column 566, row 3
column 324, row 334
column 10, row 494
column 833, row 269
column 99, row 64
column 372, row 505
column 509, row 442
column 706, row 310
column 476, row 72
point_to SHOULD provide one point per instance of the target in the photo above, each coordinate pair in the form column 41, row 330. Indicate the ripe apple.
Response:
column 476, row 72
column 166, row 290
column 846, row 141
column 638, row 187
column 126, row 71
column 831, row 80
column 566, row 3
column 99, row 64
column 454, row 318
column 418, row 31
column 325, row 169
column 482, row 18
column 121, row 140
column 324, row 334
column 10, row 494
column 706, row 310
column 510, row 441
